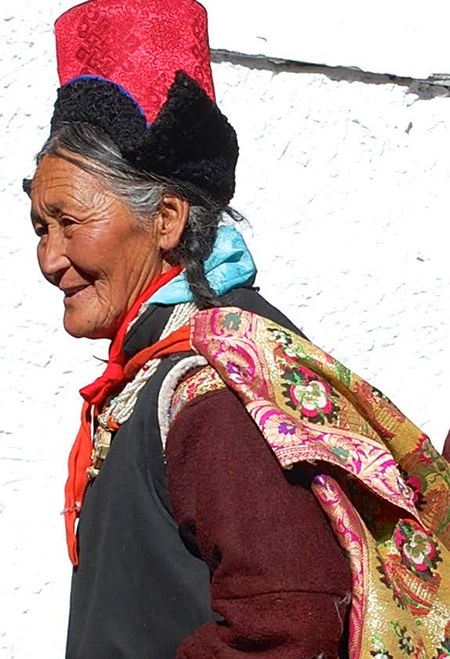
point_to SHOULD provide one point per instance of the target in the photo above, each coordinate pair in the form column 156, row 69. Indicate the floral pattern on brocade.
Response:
column 392, row 517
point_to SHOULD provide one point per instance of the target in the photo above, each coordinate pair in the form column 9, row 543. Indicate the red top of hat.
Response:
column 137, row 44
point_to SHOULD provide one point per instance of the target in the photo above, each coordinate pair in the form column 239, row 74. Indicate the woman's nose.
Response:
column 52, row 256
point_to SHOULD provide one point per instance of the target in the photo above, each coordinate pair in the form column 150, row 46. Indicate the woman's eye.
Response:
column 67, row 221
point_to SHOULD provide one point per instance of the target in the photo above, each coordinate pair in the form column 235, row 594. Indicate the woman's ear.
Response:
column 173, row 215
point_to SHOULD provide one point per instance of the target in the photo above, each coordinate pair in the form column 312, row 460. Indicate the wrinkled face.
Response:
column 91, row 247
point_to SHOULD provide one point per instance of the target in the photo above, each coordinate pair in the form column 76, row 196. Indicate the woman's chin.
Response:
column 81, row 327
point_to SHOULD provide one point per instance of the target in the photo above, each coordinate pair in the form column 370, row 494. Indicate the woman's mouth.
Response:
column 72, row 291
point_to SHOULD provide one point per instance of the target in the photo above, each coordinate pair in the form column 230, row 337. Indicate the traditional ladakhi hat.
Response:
column 140, row 71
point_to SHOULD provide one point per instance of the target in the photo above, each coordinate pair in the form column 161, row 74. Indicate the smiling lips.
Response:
column 73, row 290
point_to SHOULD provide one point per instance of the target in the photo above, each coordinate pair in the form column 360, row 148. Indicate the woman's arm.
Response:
column 278, row 576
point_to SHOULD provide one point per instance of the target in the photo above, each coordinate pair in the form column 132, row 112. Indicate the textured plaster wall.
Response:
column 344, row 181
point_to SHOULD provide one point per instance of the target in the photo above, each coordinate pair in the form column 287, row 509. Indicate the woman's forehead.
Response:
column 55, row 175
column 60, row 186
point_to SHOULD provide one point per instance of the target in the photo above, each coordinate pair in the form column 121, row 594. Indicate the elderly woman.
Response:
column 106, row 235
column 191, row 540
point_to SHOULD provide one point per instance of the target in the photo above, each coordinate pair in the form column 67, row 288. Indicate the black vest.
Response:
column 138, row 592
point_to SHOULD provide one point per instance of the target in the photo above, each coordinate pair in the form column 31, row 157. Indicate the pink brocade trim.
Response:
column 366, row 459
column 350, row 533
column 202, row 382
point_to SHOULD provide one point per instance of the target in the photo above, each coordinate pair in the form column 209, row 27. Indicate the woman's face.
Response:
column 91, row 247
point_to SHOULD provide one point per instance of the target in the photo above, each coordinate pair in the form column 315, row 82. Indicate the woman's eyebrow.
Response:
column 55, row 209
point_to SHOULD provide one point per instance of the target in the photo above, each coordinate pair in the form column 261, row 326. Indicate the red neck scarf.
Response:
column 117, row 373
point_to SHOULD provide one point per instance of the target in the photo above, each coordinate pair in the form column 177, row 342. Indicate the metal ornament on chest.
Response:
column 102, row 442
column 120, row 408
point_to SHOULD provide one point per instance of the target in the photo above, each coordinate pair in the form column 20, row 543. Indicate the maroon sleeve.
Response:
column 279, row 578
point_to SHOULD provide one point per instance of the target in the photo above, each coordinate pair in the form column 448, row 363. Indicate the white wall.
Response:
column 344, row 182
column 405, row 37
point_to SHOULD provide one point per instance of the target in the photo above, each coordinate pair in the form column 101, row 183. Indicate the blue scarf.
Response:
column 229, row 266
